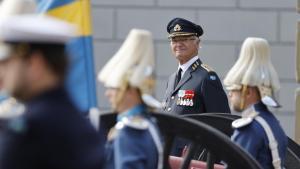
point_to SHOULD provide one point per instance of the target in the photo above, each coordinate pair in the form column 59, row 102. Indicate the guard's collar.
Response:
column 260, row 106
column 257, row 107
column 135, row 111
column 249, row 112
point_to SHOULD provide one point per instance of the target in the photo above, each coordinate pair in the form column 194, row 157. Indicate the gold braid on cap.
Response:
column 21, row 49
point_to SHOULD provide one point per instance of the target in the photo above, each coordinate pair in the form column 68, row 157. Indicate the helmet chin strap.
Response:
column 120, row 95
column 243, row 95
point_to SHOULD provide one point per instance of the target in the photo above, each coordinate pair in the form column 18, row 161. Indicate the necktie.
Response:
column 178, row 76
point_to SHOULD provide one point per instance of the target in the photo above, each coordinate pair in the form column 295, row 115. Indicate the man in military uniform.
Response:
column 252, row 83
column 194, row 88
column 52, row 132
column 134, row 142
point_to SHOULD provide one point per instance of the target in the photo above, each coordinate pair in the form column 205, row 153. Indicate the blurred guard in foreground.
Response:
column 9, row 107
column 252, row 83
column 134, row 142
column 51, row 133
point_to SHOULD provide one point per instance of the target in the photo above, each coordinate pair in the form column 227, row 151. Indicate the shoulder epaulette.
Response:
column 10, row 108
column 245, row 120
column 195, row 65
column 206, row 67
column 241, row 122
column 136, row 122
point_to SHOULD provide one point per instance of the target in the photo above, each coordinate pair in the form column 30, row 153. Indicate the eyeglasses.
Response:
column 181, row 40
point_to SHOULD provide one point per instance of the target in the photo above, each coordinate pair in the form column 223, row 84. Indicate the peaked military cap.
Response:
column 183, row 27
column 10, row 8
column 36, row 28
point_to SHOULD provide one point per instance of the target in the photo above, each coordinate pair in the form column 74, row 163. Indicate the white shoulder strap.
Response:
column 94, row 114
column 158, row 145
column 272, row 142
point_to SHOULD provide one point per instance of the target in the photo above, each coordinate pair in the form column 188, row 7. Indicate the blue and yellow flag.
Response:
column 81, row 78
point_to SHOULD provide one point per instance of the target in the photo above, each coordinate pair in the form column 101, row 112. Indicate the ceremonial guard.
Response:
column 194, row 88
column 9, row 107
column 252, row 83
column 51, row 133
column 134, row 142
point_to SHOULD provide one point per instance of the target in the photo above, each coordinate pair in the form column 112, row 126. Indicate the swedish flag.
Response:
column 81, row 79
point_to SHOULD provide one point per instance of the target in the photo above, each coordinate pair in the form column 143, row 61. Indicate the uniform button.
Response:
column 172, row 97
column 169, row 109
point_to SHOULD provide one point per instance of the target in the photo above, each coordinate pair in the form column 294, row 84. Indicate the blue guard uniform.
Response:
column 251, row 134
column 51, row 134
column 134, row 142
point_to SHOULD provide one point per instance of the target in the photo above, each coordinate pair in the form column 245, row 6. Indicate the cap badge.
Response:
column 177, row 27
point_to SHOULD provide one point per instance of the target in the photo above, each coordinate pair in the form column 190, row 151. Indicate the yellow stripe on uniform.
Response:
column 78, row 13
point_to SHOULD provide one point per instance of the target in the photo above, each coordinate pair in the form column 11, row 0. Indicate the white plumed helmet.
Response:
column 254, row 68
column 132, row 65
